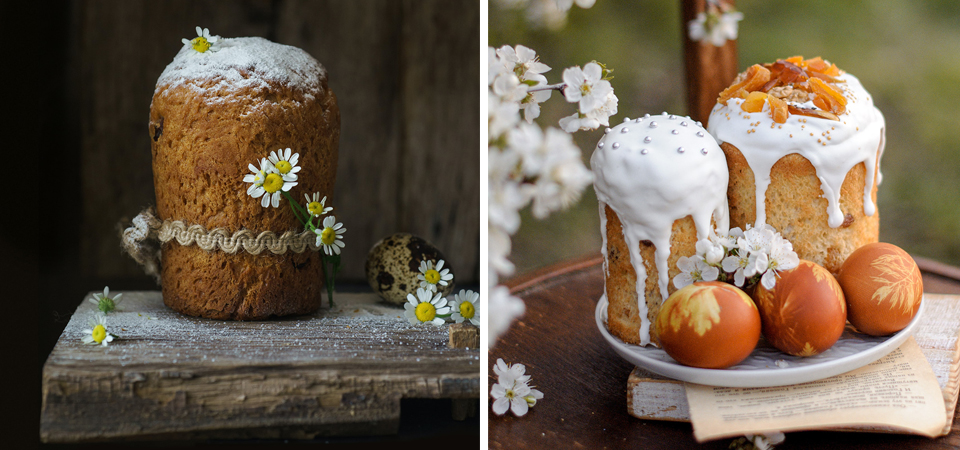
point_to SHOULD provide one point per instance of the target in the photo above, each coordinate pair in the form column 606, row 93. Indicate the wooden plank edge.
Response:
column 531, row 279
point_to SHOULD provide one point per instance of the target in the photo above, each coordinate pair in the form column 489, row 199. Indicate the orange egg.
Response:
column 883, row 287
column 711, row 325
column 805, row 313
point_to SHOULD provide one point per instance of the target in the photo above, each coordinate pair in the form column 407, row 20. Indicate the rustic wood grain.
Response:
column 708, row 69
column 336, row 372
column 583, row 379
column 405, row 74
column 464, row 335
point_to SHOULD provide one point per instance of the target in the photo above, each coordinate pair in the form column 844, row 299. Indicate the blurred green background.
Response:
column 907, row 54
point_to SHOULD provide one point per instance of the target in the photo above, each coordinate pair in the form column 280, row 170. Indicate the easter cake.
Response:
column 214, row 113
column 661, row 185
column 803, row 142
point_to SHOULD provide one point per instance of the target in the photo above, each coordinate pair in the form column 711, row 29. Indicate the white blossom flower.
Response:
column 736, row 263
column 693, row 269
column 564, row 5
column 503, row 309
column 425, row 307
column 512, row 392
column 714, row 26
column 203, row 42
column 586, row 87
column 531, row 103
column 498, row 249
column 501, row 116
column 330, row 237
column 266, row 182
column 316, row 205
column 781, row 257
column 104, row 302
column 97, row 333
column 495, row 66
column 522, row 61
column 431, row 276
column 285, row 164
column 711, row 251
column 577, row 121
column 509, row 88
column 466, row 307
column 508, row 373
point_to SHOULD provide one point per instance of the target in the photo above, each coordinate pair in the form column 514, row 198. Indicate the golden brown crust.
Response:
column 796, row 208
column 202, row 140
column 623, row 316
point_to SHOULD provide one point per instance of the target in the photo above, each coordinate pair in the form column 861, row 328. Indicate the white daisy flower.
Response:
column 285, row 164
column 331, row 236
column 104, row 302
column 97, row 333
column 203, row 42
column 266, row 182
column 316, row 205
column 431, row 276
column 425, row 307
column 466, row 307
column 586, row 87
column 694, row 269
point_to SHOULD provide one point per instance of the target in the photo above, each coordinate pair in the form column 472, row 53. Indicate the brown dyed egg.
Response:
column 805, row 313
column 711, row 325
column 883, row 287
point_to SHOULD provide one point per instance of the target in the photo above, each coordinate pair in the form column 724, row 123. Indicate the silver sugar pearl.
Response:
column 653, row 124
column 699, row 124
column 626, row 119
column 663, row 113
column 600, row 145
column 607, row 131
column 647, row 139
column 672, row 117
column 624, row 130
column 674, row 131
column 616, row 145
column 683, row 124
column 638, row 120
column 644, row 151
column 699, row 134
column 680, row 150
column 703, row 150
column 646, row 115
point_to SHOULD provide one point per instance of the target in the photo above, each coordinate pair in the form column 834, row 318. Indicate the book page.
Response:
column 898, row 391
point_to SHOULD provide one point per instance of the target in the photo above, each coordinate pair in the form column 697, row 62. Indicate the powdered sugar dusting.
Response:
column 244, row 62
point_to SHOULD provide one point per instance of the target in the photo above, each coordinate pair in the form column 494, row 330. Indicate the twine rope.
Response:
column 146, row 227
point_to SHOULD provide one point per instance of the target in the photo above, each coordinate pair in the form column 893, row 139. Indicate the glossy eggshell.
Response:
column 711, row 325
column 805, row 313
column 883, row 287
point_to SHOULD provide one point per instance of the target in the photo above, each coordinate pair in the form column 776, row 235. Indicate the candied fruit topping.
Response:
column 787, row 82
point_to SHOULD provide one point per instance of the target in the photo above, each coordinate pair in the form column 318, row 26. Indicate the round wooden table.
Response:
column 584, row 382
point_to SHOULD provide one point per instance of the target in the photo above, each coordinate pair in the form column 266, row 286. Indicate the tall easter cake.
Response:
column 213, row 114
column 803, row 142
column 661, row 182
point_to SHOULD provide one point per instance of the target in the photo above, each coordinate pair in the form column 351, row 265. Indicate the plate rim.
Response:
column 754, row 377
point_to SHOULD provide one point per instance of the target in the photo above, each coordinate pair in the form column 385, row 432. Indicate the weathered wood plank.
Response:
column 336, row 372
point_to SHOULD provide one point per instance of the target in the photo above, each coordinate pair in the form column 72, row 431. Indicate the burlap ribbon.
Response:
column 146, row 227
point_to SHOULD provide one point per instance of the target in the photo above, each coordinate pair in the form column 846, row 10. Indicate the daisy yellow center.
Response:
column 99, row 333
column 467, row 310
column 200, row 44
column 432, row 276
column 426, row 312
column 315, row 208
column 327, row 236
column 273, row 183
column 283, row 166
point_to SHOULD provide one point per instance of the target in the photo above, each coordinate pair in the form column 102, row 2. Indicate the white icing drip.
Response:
column 832, row 147
column 245, row 62
column 603, row 243
column 664, row 168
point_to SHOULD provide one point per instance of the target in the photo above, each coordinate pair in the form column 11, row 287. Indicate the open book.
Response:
column 651, row 396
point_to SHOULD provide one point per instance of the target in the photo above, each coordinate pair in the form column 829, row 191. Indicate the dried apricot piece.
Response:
column 827, row 98
column 755, row 78
column 811, row 112
column 754, row 102
column 816, row 64
column 796, row 60
column 778, row 109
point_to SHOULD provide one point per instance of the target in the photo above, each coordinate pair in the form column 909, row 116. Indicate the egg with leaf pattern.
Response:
column 710, row 325
column 883, row 287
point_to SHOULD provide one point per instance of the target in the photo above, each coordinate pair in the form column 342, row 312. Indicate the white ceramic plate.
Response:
column 760, row 369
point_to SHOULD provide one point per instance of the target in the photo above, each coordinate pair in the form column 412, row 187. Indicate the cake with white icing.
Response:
column 213, row 114
column 803, row 142
column 661, row 182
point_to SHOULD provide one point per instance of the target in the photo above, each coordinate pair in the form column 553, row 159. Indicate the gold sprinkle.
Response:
column 791, row 135
column 811, row 134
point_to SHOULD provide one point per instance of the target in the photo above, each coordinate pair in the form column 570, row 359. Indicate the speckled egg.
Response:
column 711, row 325
column 394, row 263
column 805, row 313
column 883, row 287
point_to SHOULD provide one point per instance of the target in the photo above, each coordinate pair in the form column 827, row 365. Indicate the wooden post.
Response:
column 708, row 69
column 464, row 335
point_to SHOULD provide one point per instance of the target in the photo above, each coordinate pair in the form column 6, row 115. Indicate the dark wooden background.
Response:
column 405, row 72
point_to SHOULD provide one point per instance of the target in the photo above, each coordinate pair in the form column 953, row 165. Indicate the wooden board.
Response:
column 336, row 372
column 651, row 396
